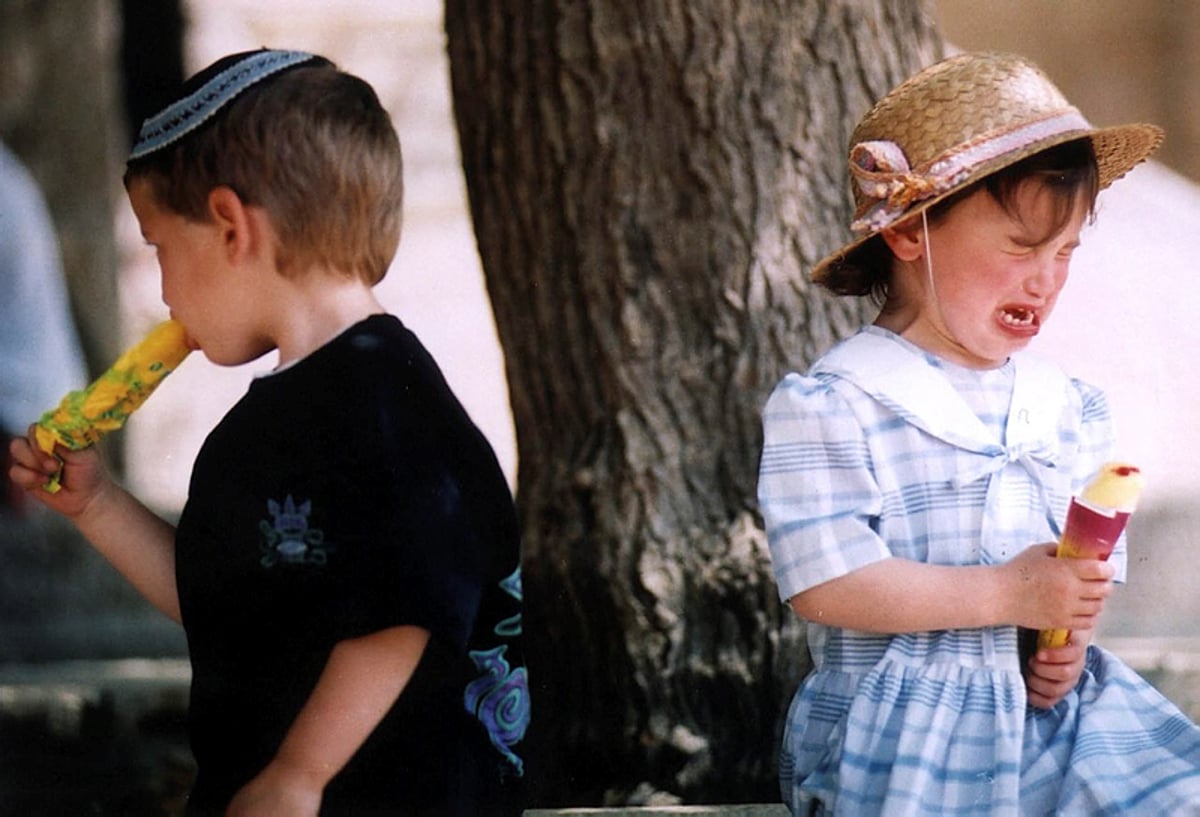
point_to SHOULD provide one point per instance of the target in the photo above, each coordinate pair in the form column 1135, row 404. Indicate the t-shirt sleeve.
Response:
column 816, row 488
column 433, row 566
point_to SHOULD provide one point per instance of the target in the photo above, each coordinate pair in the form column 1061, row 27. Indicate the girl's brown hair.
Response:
column 1068, row 170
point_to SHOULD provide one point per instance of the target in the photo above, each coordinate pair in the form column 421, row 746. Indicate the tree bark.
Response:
column 649, row 184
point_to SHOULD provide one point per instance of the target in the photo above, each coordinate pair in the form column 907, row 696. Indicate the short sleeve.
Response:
column 816, row 489
column 1096, row 444
column 429, row 531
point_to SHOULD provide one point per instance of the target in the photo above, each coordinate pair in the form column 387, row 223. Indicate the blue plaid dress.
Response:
column 885, row 451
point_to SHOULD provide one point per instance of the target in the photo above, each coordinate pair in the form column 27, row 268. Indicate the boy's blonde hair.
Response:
column 313, row 146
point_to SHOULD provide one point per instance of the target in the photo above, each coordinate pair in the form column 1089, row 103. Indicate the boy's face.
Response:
column 992, row 285
column 214, row 299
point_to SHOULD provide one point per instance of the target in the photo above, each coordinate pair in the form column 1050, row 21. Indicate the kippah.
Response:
column 209, row 91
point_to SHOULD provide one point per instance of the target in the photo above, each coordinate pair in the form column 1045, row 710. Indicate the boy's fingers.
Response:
column 30, row 459
column 20, row 452
column 49, row 463
column 26, row 477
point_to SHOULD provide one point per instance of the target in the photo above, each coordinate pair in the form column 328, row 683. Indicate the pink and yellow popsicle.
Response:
column 1095, row 520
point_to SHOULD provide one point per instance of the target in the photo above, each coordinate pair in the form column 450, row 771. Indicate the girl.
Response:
column 907, row 480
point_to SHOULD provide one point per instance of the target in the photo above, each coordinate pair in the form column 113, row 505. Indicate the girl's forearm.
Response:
column 901, row 596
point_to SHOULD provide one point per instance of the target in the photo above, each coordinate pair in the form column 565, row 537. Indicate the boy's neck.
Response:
column 317, row 307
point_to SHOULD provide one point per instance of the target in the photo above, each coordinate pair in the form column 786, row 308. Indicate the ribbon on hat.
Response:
column 882, row 172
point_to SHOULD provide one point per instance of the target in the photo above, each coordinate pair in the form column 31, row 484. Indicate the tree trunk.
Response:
column 649, row 184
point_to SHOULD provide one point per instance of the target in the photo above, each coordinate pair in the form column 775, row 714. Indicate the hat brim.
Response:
column 1118, row 150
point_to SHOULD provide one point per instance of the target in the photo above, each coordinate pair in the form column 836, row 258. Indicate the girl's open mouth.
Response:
column 1019, row 317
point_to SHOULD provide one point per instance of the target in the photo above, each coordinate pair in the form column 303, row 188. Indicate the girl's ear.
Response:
column 906, row 240
column 233, row 220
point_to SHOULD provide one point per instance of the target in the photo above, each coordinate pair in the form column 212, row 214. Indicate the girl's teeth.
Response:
column 1020, row 318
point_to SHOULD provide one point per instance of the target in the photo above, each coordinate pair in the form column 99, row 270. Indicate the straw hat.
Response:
column 956, row 122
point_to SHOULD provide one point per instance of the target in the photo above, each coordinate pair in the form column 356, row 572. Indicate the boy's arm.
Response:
column 360, row 683
column 138, row 543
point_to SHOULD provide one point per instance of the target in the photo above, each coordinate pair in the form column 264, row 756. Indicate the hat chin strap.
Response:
column 929, row 268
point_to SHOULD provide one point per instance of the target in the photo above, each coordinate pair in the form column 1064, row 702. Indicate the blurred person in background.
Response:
column 40, row 354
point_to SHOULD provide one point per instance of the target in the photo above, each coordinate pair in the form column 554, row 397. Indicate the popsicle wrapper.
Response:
column 85, row 416
column 1092, row 528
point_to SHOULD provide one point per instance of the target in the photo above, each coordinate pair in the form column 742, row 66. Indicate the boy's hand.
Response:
column 1053, row 672
column 83, row 475
column 136, row 541
column 275, row 791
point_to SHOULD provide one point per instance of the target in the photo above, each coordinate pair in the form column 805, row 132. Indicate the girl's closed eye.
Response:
column 1067, row 251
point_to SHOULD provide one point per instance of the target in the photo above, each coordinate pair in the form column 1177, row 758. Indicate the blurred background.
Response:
column 1126, row 321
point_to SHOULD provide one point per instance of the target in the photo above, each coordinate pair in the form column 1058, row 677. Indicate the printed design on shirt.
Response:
column 287, row 537
column 511, row 627
column 499, row 698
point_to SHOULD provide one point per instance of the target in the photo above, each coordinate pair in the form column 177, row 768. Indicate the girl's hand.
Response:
column 1053, row 672
column 83, row 475
column 1050, row 593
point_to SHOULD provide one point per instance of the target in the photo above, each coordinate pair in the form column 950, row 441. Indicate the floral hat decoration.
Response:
column 956, row 122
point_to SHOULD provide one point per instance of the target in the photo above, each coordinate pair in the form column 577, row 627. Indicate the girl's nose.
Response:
column 1046, row 278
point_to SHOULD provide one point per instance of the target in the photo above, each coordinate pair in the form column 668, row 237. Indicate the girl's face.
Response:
column 216, row 301
column 995, row 276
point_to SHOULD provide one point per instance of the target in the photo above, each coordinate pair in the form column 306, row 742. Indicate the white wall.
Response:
column 1129, row 321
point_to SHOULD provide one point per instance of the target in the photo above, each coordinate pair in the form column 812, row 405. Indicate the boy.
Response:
column 347, row 564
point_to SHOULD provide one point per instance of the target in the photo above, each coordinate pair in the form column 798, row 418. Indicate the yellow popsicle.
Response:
column 86, row 415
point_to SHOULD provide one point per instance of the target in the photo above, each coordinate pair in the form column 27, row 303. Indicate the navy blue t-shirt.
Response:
column 343, row 495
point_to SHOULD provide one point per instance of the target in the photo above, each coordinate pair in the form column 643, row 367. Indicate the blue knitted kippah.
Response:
column 209, row 91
